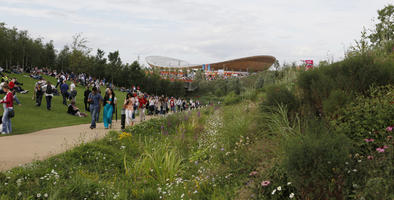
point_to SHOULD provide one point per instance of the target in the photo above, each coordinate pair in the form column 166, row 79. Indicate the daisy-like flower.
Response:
column 279, row 188
column 253, row 173
column 273, row 192
column 291, row 195
column 265, row 183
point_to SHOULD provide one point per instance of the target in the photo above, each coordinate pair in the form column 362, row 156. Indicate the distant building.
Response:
column 247, row 64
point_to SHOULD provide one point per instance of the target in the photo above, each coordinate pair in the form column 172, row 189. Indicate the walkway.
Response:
column 17, row 150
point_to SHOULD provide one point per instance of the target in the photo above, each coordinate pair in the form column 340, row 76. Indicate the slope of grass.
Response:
column 204, row 154
column 29, row 118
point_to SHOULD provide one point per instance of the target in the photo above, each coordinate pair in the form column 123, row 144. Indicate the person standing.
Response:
column 48, row 88
column 94, row 99
column 64, row 91
column 39, row 94
column 141, row 106
column 73, row 91
column 172, row 104
column 8, row 103
column 86, row 96
column 129, row 109
column 109, row 104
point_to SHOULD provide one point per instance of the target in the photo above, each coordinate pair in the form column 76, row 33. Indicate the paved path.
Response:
column 17, row 150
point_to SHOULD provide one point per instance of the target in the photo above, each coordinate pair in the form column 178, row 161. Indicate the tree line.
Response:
column 18, row 48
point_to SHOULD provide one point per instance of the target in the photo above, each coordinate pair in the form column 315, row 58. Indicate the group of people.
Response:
column 9, row 87
column 135, row 103
column 140, row 103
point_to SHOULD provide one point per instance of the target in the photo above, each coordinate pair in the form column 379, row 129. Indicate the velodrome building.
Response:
column 247, row 64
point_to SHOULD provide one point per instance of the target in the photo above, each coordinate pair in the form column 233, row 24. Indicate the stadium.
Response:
column 246, row 64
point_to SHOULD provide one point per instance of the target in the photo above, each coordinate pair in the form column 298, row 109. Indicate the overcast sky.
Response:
column 199, row 31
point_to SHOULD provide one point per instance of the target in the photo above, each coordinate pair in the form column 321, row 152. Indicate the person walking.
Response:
column 39, row 94
column 109, row 104
column 141, row 107
column 94, row 99
column 129, row 109
column 64, row 91
column 8, row 103
column 48, row 88
column 85, row 99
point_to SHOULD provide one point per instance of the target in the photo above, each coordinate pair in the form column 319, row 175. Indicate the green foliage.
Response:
column 315, row 162
column 280, row 95
column 231, row 98
column 335, row 101
column 353, row 75
column 367, row 117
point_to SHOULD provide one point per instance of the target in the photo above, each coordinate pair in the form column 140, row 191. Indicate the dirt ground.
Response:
column 18, row 150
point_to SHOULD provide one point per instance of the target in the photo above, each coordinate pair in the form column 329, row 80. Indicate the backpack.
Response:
column 49, row 89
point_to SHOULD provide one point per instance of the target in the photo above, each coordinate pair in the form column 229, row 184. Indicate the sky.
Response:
column 199, row 31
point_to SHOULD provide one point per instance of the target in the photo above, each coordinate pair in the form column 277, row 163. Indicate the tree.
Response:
column 114, row 63
column 384, row 29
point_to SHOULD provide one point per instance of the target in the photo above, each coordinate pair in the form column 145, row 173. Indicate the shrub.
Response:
column 231, row 98
column 367, row 117
column 315, row 162
column 353, row 75
column 280, row 95
column 335, row 101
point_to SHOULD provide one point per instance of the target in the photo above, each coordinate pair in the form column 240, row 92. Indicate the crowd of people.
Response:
column 136, row 103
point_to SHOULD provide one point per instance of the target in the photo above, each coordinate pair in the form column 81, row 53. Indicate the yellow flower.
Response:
column 124, row 135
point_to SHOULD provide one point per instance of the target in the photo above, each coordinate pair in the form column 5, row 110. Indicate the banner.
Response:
column 203, row 67
column 209, row 67
column 308, row 64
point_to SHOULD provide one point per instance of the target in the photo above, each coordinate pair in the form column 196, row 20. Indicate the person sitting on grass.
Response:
column 74, row 110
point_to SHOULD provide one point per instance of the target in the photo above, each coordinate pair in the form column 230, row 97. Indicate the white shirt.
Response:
column 44, row 88
column 72, row 87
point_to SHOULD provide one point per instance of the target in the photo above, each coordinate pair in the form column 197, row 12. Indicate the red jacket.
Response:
column 11, row 85
column 9, row 100
column 142, row 102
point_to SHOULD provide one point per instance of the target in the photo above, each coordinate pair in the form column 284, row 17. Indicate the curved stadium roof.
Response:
column 253, row 63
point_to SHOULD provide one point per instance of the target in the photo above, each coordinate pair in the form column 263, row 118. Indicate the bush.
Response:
column 335, row 101
column 231, row 98
column 367, row 117
column 355, row 74
column 279, row 95
column 315, row 163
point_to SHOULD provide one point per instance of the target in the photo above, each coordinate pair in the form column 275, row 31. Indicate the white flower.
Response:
column 195, row 191
column 273, row 192
column 354, row 170
column 182, row 195
column 38, row 195
column 291, row 195
column 279, row 188
column 45, row 195
column 20, row 194
column 288, row 183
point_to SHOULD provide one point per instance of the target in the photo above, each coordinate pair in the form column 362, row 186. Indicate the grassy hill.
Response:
column 29, row 118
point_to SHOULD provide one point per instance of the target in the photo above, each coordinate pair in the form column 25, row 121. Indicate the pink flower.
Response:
column 254, row 173
column 265, row 183
column 380, row 150
column 389, row 129
column 369, row 140
column 370, row 157
column 385, row 147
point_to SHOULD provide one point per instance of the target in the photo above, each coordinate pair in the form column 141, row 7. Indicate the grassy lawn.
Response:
column 29, row 118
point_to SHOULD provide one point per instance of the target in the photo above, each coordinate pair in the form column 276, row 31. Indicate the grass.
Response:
column 29, row 118
column 202, row 154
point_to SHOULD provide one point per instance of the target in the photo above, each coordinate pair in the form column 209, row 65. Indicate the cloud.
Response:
column 199, row 31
